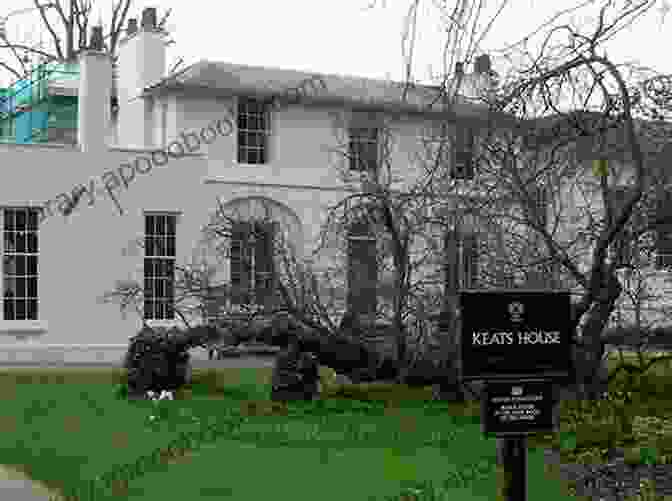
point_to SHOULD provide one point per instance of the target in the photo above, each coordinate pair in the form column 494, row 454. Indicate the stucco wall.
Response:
column 81, row 256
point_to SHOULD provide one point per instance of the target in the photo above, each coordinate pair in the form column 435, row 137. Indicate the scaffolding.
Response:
column 41, row 107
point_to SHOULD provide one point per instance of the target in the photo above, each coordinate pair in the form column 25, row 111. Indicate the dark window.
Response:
column 664, row 231
column 253, row 131
column 364, row 149
column 461, row 253
column 463, row 153
column 624, row 245
column 362, row 271
column 159, row 266
column 251, row 260
column 20, row 256
column 540, row 200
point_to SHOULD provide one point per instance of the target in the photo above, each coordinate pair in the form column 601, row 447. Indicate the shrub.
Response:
column 157, row 359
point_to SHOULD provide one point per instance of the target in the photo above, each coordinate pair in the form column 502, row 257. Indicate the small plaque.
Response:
column 518, row 408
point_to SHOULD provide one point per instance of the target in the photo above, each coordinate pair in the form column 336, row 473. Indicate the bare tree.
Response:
column 548, row 118
column 68, row 25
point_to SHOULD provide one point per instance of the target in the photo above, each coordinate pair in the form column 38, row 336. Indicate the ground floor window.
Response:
column 19, row 263
column 461, row 252
column 251, row 263
column 159, row 266
column 362, row 272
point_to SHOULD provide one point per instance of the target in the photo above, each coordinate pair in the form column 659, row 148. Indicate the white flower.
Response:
column 166, row 394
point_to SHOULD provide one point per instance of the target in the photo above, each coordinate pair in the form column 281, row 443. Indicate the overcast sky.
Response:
column 345, row 36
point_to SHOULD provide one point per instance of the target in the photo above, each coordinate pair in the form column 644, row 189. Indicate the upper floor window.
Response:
column 363, row 149
column 252, row 266
column 253, row 131
column 463, row 153
column 159, row 266
column 19, row 263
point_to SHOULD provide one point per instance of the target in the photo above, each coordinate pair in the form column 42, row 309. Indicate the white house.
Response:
column 153, row 154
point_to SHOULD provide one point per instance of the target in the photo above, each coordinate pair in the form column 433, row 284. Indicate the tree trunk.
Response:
column 590, row 377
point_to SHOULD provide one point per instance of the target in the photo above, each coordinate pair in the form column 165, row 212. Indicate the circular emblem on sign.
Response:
column 516, row 311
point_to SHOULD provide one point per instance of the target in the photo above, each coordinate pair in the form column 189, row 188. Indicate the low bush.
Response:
column 157, row 359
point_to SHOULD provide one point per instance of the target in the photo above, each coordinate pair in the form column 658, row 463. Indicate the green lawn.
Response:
column 62, row 427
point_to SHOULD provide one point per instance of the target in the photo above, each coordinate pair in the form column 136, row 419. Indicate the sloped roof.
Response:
column 236, row 79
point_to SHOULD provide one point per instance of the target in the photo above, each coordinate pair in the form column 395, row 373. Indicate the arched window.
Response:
column 256, row 227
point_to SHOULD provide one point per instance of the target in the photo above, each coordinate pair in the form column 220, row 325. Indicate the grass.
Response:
column 64, row 426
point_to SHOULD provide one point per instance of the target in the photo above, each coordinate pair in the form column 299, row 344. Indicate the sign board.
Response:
column 519, row 408
column 510, row 334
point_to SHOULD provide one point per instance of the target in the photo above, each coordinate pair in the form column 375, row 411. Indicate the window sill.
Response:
column 163, row 323
column 23, row 327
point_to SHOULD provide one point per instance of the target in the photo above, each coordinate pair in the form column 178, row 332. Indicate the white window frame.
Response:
column 243, row 159
column 251, row 253
column 172, row 258
column 26, row 276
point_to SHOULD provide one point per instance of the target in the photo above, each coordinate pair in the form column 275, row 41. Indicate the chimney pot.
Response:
column 132, row 26
column 483, row 64
column 97, row 38
column 149, row 18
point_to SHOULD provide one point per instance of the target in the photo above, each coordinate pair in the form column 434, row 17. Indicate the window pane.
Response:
column 31, row 264
column 159, row 310
column 170, row 268
column 32, row 219
column 9, row 265
column 21, row 221
column 9, row 219
column 20, row 290
column 31, row 309
column 9, row 310
column 170, row 311
column 31, row 243
column 9, row 241
column 149, row 225
column 20, row 265
column 31, row 292
column 149, row 268
column 149, row 246
column 9, row 286
column 253, row 157
column 170, row 248
column 159, row 246
column 160, row 225
column 149, row 309
column 21, row 241
column 20, row 309
column 242, row 120
column 170, row 225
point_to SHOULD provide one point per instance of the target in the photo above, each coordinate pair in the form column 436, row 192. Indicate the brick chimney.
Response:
column 142, row 63
column 95, row 88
